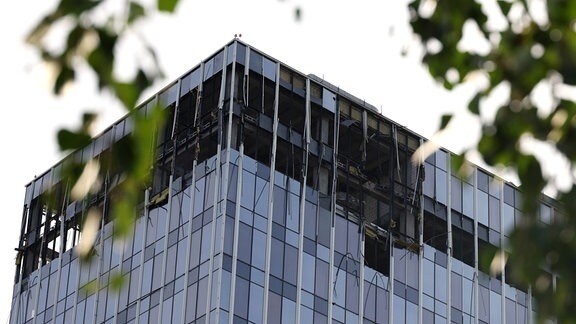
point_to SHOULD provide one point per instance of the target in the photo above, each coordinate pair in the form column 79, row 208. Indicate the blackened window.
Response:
column 377, row 253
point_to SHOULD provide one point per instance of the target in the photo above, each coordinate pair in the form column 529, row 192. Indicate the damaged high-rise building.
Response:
column 276, row 198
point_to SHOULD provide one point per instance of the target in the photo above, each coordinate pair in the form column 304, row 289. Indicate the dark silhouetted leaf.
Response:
column 136, row 12
column 69, row 140
column 127, row 93
column 66, row 75
column 167, row 5
column 474, row 105
column 77, row 7
column 75, row 37
column 444, row 120
column 87, row 119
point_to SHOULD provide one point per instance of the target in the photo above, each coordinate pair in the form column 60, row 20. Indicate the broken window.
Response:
column 377, row 251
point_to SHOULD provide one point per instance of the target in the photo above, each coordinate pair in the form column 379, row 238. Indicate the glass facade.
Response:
column 276, row 198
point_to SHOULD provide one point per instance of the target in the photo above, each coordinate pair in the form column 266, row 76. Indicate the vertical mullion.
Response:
column 336, row 124
column 475, row 212
column 501, row 250
column 165, row 247
column 225, row 179
column 215, row 210
column 449, row 239
column 421, row 244
column 236, row 233
column 142, row 256
column 271, row 196
column 189, row 245
column 302, row 207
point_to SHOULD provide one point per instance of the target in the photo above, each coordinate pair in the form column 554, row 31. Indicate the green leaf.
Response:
column 444, row 120
column 136, row 11
column 69, row 140
column 74, row 38
column 459, row 163
column 87, row 119
column 66, row 75
column 101, row 62
column 474, row 105
column 141, row 82
column 128, row 93
column 505, row 6
column 77, row 7
column 167, row 5
column 124, row 154
column 101, row 59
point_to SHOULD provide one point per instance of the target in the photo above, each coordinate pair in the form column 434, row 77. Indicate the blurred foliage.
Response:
column 530, row 46
column 91, row 41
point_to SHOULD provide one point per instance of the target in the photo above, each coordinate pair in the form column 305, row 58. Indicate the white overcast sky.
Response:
column 353, row 44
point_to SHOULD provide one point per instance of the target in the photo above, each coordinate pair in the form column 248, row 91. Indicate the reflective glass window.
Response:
column 269, row 68
column 310, row 221
column 341, row 231
column 258, row 249
column 508, row 220
column 321, row 279
column 369, row 301
column 467, row 200
column 353, row 241
column 244, row 243
column 201, row 302
column 509, row 194
column 292, row 212
column 441, row 186
column 168, row 96
column 428, row 185
column 484, row 304
column 412, row 269
column 456, row 191
column 329, row 100
column 205, row 246
column 496, row 308
column 241, row 297
column 428, row 273
column 483, row 180
column 291, row 264
column 288, row 311
column 255, row 61
column 352, row 291
column 255, row 305
column 482, row 205
column 247, row 194
column 274, row 308
column 494, row 211
column 279, row 205
column 440, row 283
column 191, row 303
column 456, row 290
column 308, row 263
column 411, row 312
column 277, row 258
column 442, row 160
column 190, row 81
